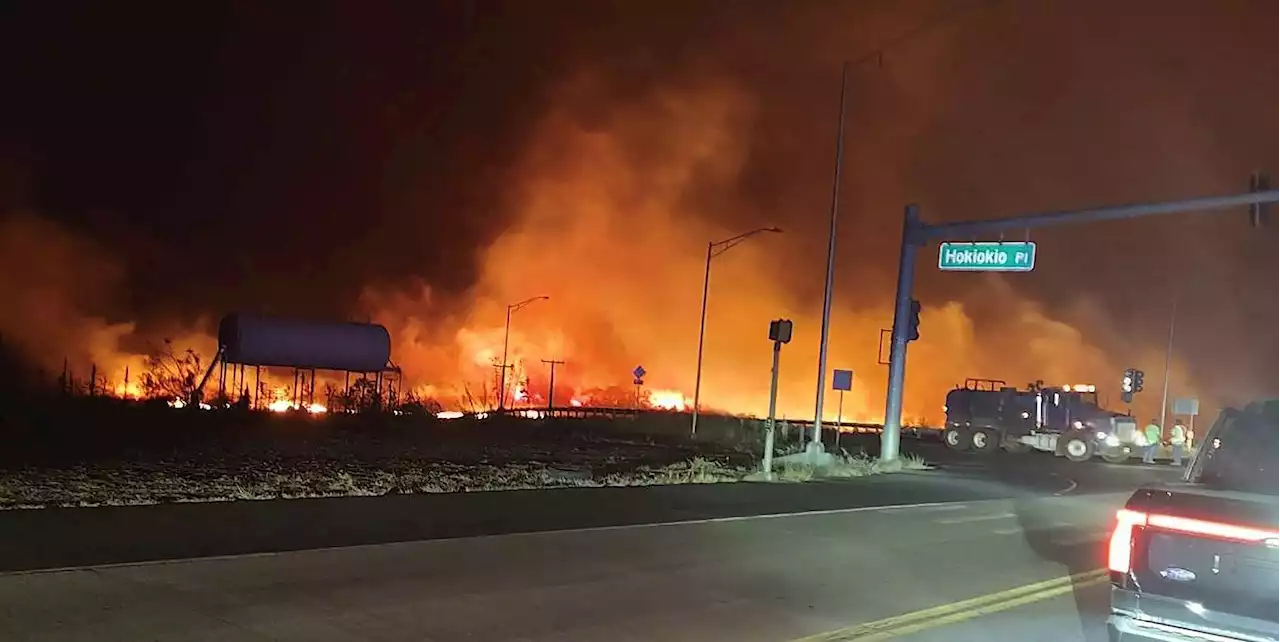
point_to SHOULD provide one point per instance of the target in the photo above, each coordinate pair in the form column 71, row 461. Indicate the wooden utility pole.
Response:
column 551, row 388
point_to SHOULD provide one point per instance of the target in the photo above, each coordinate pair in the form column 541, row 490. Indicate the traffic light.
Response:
column 1126, row 384
column 913, row 321
column 780, row 330
column 1137, row 381
column 1258, row 212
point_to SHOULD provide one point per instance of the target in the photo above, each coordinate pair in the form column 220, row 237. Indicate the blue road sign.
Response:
column 842, row 380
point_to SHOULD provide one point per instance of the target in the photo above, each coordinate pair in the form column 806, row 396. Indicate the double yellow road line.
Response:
column 955, row 612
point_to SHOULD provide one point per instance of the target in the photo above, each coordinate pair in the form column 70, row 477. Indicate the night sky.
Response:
column 392, row 160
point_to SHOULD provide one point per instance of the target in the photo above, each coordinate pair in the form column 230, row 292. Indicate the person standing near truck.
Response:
column 1178, row 440
column 1152, row 435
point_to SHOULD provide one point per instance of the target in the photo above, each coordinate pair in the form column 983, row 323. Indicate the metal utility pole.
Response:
column 714, row 249
column 1168, row 359
column 779, row 333
column 767, row 464
column 506, row 340
column 551, row 388
column 831, row 270
column 915, row 234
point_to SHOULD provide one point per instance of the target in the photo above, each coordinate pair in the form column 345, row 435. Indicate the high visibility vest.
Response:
column 1178, row 436
column 1152, row 434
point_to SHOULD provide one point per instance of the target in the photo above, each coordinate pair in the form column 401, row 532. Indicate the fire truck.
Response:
column 986, row 415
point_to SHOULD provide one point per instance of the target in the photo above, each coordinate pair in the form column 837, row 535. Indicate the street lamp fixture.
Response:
column 506, row 340
column 714, row 249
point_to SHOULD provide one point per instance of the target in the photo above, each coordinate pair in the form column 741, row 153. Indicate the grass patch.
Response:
column 845, row 466
column 136, row 485
column 174, row 482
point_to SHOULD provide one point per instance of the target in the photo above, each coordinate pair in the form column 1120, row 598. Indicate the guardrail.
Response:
column 582, row 412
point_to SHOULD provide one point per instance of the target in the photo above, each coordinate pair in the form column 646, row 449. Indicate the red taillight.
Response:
column 1120, row 550
column 1210, row 529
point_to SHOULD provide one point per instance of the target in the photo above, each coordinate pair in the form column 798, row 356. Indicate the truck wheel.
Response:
column 956, row 438
column 1117, row 455
column 1078, row 447
column 984, row 440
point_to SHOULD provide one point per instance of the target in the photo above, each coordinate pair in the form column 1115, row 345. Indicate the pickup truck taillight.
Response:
column 1121, row 546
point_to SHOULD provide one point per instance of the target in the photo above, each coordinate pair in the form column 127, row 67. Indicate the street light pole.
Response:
column 702, row 333
column 1168, row 359
column 506, row 341
column 831, row 270
column 714, row 249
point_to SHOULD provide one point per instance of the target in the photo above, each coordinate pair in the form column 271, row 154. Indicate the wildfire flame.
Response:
column 128, row 391
column 667, row 399
column 284, row 405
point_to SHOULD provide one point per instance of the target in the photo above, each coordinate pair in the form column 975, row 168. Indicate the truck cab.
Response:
column 985, row 415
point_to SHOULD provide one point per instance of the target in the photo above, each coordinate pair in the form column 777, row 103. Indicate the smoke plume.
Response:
column 591, row 155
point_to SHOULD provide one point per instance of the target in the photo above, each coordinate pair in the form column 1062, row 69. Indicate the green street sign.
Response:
column 987, row 257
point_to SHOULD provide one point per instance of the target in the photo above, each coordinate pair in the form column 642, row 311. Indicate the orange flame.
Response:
column 667, row 399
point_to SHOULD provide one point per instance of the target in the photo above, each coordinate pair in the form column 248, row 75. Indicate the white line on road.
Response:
column 560, row 531
column 944, row 507
column 1007, row 531
column 932, row 508
column 974, row 518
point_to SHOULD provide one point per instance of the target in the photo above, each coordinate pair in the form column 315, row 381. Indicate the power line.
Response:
column 551, row 387
column 941, row 19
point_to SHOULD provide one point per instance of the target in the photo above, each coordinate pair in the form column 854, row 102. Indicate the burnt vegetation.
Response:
column 170, row 374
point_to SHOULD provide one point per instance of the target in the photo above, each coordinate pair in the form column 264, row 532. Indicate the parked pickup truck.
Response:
column 1200, row 559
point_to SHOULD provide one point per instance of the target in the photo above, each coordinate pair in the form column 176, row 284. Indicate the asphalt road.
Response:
column 719, row 562
column 1079, row 615
column 55, row 538
column 754, row 579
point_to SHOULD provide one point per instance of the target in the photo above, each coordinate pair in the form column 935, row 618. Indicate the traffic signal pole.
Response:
column 916, row 233
column 889, row 437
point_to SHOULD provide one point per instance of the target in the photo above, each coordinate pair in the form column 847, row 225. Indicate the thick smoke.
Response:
column 660, row 137
column 611, row 226
column 60, row 291
column 51, row 281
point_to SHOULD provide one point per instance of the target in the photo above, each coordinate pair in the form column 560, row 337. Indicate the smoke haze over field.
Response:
column 426, row 169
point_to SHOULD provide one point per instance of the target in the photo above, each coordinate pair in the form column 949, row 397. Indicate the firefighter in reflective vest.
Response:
column 1152, row 437
column 1178, row 439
